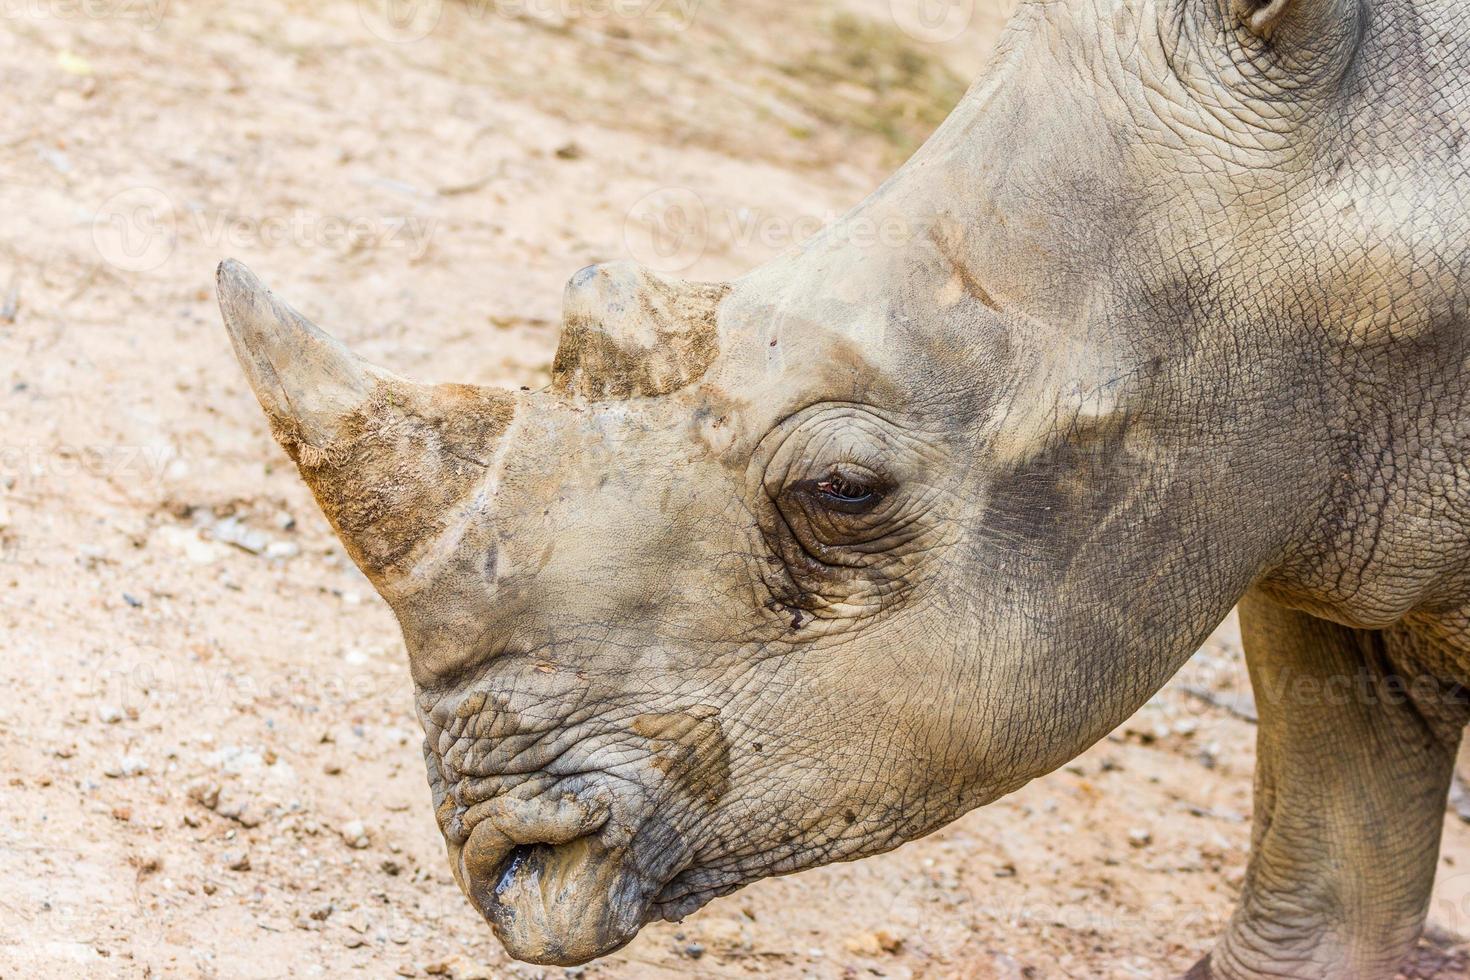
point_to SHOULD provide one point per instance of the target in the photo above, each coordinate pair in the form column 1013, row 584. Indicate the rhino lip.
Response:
column 499, row 840
column 550, row 874
column 562, row 904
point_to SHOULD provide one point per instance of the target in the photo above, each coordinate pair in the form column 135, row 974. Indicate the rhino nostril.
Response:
column 512, row 864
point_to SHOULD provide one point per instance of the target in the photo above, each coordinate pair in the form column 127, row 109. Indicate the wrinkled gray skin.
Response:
column 796, row 569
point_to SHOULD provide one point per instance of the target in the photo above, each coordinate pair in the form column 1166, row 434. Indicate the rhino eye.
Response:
column 845, row 493
column 843, row 490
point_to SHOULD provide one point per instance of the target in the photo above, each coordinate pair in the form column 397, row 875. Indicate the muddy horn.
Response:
column 627, row 333
column 391, row 462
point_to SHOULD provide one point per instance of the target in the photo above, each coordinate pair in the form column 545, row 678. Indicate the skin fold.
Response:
column 793, row 569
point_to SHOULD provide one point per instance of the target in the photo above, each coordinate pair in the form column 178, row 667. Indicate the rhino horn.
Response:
column 627, row 333
column 392, row 463
column 308, row 382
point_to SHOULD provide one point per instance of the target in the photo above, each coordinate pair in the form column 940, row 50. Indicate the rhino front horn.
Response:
column 392, row 463
column 307, row 381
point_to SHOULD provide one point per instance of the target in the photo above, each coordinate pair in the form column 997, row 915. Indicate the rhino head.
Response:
column 796, row 568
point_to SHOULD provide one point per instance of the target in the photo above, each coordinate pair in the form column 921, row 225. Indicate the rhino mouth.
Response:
column 560, row 881
column 567, row 861
column 563, row 904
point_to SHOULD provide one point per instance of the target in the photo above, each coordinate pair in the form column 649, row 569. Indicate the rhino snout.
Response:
column 552, row 878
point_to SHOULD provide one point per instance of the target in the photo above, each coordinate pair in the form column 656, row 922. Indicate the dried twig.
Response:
column 1242, row 706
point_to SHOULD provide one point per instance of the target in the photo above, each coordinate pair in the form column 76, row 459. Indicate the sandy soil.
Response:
column 211, row 763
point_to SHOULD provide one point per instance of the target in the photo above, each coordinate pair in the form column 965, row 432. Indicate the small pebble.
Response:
column 245, row 812
column 355, row 834
column 206, row 794
column 128, row 765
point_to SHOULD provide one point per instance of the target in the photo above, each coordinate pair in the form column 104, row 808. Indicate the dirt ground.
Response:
column 211, row 765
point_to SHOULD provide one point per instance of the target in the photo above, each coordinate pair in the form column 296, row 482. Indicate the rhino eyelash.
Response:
column 842, row 490
column 839, row 487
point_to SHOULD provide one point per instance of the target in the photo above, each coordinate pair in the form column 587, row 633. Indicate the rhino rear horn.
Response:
column 627, row 333
column 391, row 462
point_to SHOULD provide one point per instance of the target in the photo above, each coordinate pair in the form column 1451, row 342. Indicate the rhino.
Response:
column 795, row 568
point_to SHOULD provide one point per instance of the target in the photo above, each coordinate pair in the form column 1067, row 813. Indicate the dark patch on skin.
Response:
column 776, row 605
column 845, row 368
column 689, row 747
column 492, row 563
column 652, row 337
column 1063, row 489
column 399, row 465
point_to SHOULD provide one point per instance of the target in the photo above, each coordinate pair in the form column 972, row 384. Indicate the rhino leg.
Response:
column 1355, row 751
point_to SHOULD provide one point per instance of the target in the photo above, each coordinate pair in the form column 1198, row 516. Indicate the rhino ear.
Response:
column 1304, row 19
column 392, row 463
